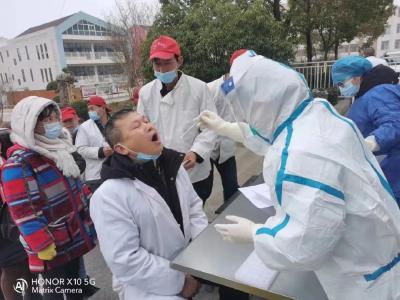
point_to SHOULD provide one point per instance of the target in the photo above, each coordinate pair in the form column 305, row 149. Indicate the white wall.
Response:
column 46, row 36
column 391, row 35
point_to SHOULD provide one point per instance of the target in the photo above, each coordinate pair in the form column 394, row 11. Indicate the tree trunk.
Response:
column 277, row 10
column 308, row 33
column 326, row 52
column 309, row 46
column 336, row 50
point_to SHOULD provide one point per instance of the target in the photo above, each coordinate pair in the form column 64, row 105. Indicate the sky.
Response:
column 18, row 15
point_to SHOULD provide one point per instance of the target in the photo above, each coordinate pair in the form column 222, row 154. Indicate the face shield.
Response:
column 262, row 94
column 252, row 139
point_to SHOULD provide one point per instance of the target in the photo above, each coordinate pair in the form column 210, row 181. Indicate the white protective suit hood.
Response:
column 23, row 121
column 263, row 100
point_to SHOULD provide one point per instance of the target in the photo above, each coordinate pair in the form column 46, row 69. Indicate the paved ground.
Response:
column 248, row 164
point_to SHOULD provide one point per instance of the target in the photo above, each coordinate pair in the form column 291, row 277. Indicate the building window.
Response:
column 385, row 45
column 15, row 62
column 31, row 75
column 37, row 51
column 5, row 74
column 353, row 48
column 1, row 56
column 51, row 74
column 1, row 76
column 19, row 81
column 41, row 51
column 12, row 76
column 18, row 54
column 45, row 50
column 26, row 52
column 387, row 29
column 398, row 11
column 41, row 72
column 23, row 75
column 397, row 44
column 8, row 54
column 47, row 77
column 84, row 27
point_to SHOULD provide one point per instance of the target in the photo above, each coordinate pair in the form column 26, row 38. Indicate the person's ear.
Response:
column 356, row 80
column 180, row 61
column 121, row 149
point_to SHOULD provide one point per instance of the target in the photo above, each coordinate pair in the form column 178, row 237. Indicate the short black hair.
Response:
column 5, row 141
column 47, row 111
column 369, row 52
column 111, row 132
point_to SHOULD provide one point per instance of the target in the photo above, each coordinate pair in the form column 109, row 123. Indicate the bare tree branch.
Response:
column 128, row 25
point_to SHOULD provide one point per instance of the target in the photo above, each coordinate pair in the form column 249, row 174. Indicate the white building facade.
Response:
column 79, row 42
column 388, row 44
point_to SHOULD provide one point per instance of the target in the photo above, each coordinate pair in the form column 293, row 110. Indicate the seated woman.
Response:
column 46, row 198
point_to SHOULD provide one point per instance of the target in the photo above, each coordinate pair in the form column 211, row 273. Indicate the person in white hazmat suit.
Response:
column 335, row 212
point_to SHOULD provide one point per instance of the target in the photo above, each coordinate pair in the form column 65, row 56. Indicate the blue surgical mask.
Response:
column 147, row 157
column 349, row 89
column 94, row 116
column 166, row 77
column 142, row 157
column 52, row 130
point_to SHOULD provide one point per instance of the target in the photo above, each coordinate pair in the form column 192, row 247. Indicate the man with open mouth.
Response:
column 145, row 212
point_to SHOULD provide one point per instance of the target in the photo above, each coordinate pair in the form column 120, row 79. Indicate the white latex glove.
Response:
column 371, row 143
column 241, row 231
column 210, row 120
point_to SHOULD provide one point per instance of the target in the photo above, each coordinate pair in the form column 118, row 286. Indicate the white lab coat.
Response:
column 224, row 147
column 88, row 141
column 173, row 114
column 377, row 61
column 334, row 210
column 139, row 236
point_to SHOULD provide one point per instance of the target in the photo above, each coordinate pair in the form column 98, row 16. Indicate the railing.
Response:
column 111, row 78
column 109, row 90
column 78, row 54
column 86, row 78
column 317, row 74
column 394, row 62
column 100, row 55
column 90, row 55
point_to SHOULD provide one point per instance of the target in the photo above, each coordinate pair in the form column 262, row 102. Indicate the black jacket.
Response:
column 80, row 161
column 160, row 175
column 379, row 75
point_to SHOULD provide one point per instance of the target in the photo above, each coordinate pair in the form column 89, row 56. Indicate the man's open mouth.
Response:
column 154, row 137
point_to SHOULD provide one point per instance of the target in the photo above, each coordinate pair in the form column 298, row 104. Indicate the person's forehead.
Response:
column 91, row 106
column 164, row 61
column 53, row 114
column 129, row 118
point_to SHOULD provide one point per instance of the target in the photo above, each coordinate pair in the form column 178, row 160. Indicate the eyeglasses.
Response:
column 344, row 83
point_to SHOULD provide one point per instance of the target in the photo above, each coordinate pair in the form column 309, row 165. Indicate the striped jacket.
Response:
column 47, row 208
